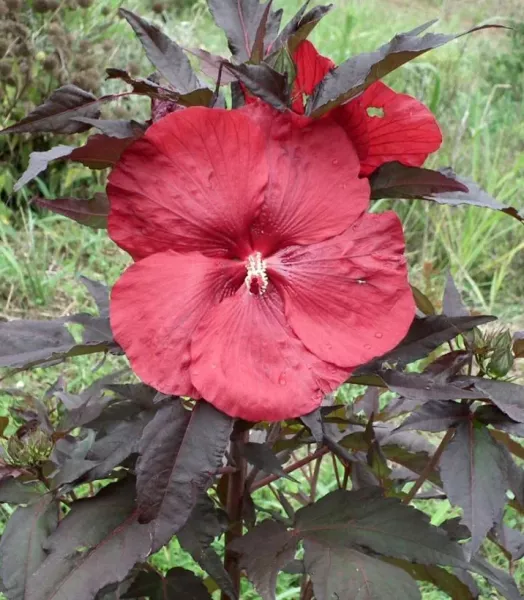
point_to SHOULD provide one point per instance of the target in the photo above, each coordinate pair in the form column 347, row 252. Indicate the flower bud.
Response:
column 30, row 450
column 501, row 362
column 53, row 4
column 40, row 6
column 106, row 11
column 14, row 5
column 84, row 46
column 84, row 3
column 158, row 7
column 5, row 68
column 134, row 69
column 50, row 64
column 40, row 56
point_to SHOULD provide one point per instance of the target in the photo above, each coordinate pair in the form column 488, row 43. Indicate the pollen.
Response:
column 256, row 279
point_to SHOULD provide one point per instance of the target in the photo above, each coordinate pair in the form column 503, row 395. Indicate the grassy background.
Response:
column 474, row 86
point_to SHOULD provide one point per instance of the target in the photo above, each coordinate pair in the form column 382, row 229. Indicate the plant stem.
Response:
column 235, row 497
column 297, row 465
column 432, row 463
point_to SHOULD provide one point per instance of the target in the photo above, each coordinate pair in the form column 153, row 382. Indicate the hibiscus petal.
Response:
column 155, row 307
column 248, row 363
column 406, row 131
column 193, row 182
column 314, row 192
column 311, row 69
column 348, row 299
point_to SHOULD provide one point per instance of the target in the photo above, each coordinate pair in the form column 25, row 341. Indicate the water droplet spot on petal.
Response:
column 282, row 379
column 367, row 346
column 335, row 161
column 213, row 366
column 378, row 335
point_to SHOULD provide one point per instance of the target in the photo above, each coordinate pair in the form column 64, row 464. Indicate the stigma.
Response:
column 256, row 279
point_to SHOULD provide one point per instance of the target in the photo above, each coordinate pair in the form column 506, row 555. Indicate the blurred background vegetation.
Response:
column 475, row 86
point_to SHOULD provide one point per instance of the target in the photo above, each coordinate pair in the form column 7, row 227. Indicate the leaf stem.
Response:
column 296, row 465
column 432, row 463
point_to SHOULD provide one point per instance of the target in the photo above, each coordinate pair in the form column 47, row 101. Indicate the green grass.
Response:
column 41, row 256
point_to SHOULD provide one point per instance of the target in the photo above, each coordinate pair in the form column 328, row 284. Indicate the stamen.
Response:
column 256, row 279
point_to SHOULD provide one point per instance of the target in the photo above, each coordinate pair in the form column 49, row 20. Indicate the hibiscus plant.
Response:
column 262, row 292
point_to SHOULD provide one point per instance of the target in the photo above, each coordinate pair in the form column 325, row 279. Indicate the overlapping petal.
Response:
column 247, row 362
column 311, row 68
column 348, row 299
column 399, row 128
column 314, row 192
column 193, row 182
column 156, row 305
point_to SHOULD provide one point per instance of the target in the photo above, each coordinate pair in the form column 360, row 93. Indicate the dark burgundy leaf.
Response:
column 23, row 543
column 92, row 213
column 240, row 19
column 167, row 56
column 69, row 459
column 181, row 452
column 258, row 50
column 210, row 65
column 57, row 113
column 38, row 162
column 96, row 544
column 455, row 529
column 448, row 365
column 491, row 415
column 366, row 518
column 178, row 584
column 116, row 129
column 313, row 421
column 101, row 151
column 300, row 26
column 452, row 303
column 474, row 472
column 424, row 336
column 263, row 82
column 369, row 403
column 436, row 416
column 97, row 330
column 444, row 580
column 26, row 343
column 264, row 551
column 347, row 574
column 145, row 87
column 500, row 580
column 511, row 540
column 263, row 458
column 357, row 73
column 394, row 180
column 100, row 294
column 425, row 386
column 509, row 397
column 205, row 523
column 15, row 491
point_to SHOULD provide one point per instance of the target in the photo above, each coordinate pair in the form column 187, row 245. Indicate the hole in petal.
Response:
column 374, row 111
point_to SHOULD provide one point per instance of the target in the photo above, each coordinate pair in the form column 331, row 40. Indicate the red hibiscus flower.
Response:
column 384, row 126
column 260, row 281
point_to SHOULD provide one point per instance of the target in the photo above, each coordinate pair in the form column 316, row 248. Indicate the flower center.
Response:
column 256, row 279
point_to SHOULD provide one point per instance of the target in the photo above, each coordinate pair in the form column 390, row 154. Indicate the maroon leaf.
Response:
column 167, row 56
column 500, row 580
column 452, row 303
column 263, row 458
column 474, row 471
column 366, row 519
column 509, row 397
column 116, row 129
column 425, row 386
column 101, row 151
column 23, row 543
column 424, row 336
column 38, row 162
column 264, row 550
column 357, row 73
column 96, row 544
column 263, row 82
column 26, row 344
column 511, row 540
column 436, row 416
column 347, row 574
column 100, row 294
column 240, row 19
column 178, row 583
column 57, row 113
column 181, row 452
column 444, row 580
column 491, row 415
column 210, row 65
column 300, row 26
column 15, row 491
column 92, row 213
column 258, row 50
column 313, row 421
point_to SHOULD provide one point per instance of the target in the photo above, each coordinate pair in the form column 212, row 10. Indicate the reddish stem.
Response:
column 297, row 465
column 235, row 496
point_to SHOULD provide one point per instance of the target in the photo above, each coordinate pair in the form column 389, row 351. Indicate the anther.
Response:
column 256, row 279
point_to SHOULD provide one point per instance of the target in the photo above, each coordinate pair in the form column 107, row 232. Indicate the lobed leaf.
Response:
column 436, row 416
column 92, row 213
column 264, row 82
column 165, row 54
column 263, row 458
column 354, row 75
column 178, row 583
column 474, row 472
column 509, row 397
column 300, row 26
column 58, row 112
